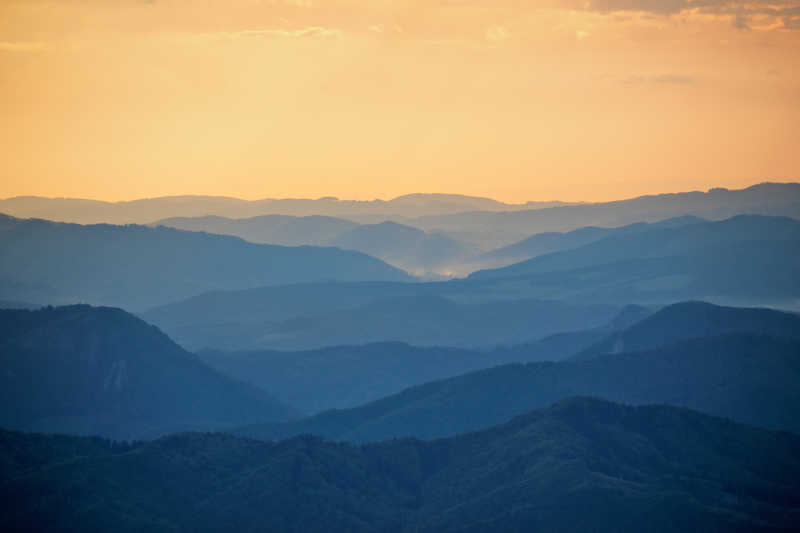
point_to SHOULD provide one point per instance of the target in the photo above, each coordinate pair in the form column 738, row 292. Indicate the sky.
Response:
column 511, row 99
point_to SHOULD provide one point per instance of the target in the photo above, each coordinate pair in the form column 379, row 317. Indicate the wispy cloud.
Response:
column 660, row 79
column 496, row 34
column 311, row 31
column 25, row 46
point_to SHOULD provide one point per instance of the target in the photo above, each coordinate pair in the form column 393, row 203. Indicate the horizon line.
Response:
column 796, row 181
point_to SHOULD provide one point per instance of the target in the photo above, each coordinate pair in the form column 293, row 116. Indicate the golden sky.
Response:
column 512, row 99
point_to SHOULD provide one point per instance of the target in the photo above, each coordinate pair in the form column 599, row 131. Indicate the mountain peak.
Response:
column 695, row 319
column 100, row 370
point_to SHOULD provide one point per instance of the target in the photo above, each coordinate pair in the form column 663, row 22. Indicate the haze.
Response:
column 361, row 99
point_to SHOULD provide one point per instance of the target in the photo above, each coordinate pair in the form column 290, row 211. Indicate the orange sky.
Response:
column 512, row 99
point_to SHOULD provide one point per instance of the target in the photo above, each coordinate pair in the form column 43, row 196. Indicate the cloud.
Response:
column 22, row 46
column 740, row 22
column 650, row 6
column 790, row 18
column 661, row 79
column 785, row 11
column 673, row 79
column 472, row 23
column 308, row 32
column 496, row 34
column 771, row 14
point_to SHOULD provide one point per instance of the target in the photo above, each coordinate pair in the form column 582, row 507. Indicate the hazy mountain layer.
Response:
column 138, row 267
column 658, row 242
column 402, row 246
column 581, row 465
column 754, row 380
column 549, row 242
column 148, row 210
column 392, row 313
column 268, row 229
column 692, row 320
column 479, row 222
column 101, row 371
column 493, row 230
column 746, row 260
column 422, row 253
column 408, row 248
column 742, row 259
column 347, row 376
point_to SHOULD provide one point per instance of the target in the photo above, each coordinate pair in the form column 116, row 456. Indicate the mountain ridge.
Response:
column 146, row 210
column 500, row 225
column 336, row 377
column 100, row 370
column 716, row 375
column 695, row 319
column 138, row 267
column 581, row 464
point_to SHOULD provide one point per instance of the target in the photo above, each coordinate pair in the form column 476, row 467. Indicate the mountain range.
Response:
column 318, row 365
column 746, row 258
column 752, row 380
column 405, row 247
column 581, row 465
column 475, row 222
column 137, row 267
column 733, row 369
column 549, row 242
column 284, row 230
column 356, row 313
column 147, row 210
column 491, row 230
column 741, row 261
column 338, row 377
column 87, row 370
column 690, row 320
column 411, row 249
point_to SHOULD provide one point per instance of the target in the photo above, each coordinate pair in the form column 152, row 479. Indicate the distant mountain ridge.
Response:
column 284, row 230
column 408, row 248
column 493, row 230
column 101, row 371
column 405, row 246
column 435, row 236
column 480, row 222
column 580, row 465
column 746, row 258
column 137, row 267
column 544, row 243
column 402, row 246
column 742, row 261
column 657, row 242
column 147, row 210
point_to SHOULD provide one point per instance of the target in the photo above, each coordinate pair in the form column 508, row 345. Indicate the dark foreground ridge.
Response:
column 581, row 465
